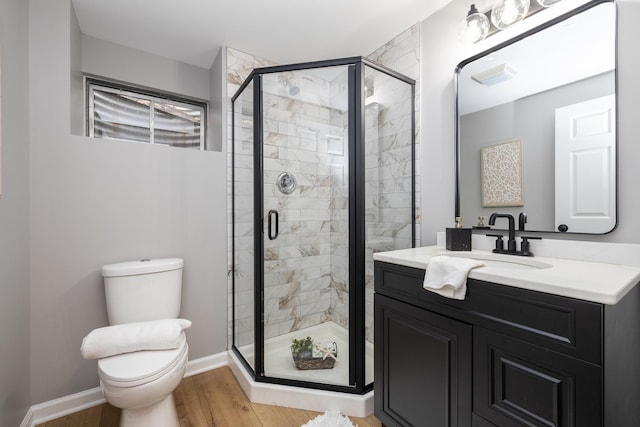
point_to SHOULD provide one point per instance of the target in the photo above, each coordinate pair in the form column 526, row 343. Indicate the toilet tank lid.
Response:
column 143, row 266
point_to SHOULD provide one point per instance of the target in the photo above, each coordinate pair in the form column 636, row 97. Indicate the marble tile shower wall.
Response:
column 402, row 54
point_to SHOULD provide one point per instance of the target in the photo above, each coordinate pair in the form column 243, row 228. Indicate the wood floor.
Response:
column 213, row 398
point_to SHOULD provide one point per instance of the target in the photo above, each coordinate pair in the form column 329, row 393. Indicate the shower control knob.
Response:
column 286, row 182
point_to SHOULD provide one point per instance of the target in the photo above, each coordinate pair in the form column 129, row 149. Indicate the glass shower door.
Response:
column 244, row 297
column 305, row 221
column 388, row 165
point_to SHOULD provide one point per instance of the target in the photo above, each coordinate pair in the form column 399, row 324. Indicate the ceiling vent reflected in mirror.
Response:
column 495, row 75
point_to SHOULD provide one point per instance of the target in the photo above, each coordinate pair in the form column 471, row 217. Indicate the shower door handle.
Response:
column 273, row 215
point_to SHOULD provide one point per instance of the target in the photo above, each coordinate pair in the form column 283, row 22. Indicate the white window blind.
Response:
column 119, row 112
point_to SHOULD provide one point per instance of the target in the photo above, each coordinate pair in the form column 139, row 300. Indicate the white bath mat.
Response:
column 329, row 419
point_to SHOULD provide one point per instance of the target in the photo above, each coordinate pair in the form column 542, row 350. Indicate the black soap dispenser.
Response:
column 458, row 238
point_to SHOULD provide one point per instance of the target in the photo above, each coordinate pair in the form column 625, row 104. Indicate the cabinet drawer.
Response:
column 402, row 283
column 566, row 325
column 516, row 383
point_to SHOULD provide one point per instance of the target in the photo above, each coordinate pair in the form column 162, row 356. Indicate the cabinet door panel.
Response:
column 517, row 383
column 422, row 368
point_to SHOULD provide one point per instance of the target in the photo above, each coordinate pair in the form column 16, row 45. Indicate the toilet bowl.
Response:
column 141, row 384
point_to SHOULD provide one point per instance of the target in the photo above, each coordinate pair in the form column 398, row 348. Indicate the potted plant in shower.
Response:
column 302, row 348
column 308, row 355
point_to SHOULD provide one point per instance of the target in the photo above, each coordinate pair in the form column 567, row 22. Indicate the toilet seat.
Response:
column 140, row 367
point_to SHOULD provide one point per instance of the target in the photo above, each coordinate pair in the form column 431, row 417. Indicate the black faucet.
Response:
column 511, row 243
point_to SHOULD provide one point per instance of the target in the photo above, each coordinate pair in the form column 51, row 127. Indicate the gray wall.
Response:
column 95, row 202
column 441, row 53
column 140, row 68
column 77, row 86
column 532, row 121
column 14, row 214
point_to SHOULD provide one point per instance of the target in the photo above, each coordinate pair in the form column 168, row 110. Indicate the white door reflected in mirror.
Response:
column 586, row 166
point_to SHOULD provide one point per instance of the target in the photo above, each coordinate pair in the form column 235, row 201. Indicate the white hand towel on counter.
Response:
column 447, row 275
column 161, row 334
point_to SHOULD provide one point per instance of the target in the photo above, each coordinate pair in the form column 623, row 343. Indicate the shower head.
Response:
column 293, row 89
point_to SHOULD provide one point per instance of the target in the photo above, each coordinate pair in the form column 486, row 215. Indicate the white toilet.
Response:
column 142, row 382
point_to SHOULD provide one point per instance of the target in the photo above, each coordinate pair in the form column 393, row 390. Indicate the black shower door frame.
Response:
column 357, row 236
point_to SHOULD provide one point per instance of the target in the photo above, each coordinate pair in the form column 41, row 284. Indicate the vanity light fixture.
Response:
column 475, row 26
column 495, row 75
column 504, row 14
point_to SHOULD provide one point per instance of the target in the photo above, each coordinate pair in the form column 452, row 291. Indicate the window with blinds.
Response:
column 126, row 113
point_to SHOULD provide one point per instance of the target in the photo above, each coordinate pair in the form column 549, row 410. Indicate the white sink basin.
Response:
column 504, row 262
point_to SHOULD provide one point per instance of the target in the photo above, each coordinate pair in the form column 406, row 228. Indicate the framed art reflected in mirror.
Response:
column 501, row 175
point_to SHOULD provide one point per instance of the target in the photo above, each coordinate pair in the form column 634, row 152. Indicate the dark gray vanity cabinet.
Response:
column 503, row 356
column 426, row 371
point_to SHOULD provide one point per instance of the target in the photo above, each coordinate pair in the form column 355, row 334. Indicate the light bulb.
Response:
column 507, row 12
column 475, row 27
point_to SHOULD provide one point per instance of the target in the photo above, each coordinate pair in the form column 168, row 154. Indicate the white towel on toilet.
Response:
column 153, row 335
column 447, row 275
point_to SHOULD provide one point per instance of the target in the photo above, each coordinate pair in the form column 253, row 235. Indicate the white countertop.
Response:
column 591, row 281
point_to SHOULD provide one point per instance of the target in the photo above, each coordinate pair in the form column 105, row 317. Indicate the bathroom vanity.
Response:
column 540, row 342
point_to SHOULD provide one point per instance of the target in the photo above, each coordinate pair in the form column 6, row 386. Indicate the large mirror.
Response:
column 537, row 127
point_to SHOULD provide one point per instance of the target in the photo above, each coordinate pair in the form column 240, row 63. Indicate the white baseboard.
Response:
column 56, row 408
column 207, row 363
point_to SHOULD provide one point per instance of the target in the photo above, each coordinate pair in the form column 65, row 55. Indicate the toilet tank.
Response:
column 138, row 291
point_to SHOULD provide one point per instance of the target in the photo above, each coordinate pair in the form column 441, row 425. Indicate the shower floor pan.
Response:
column 279, row 364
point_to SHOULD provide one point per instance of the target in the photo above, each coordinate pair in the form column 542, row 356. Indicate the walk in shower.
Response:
column 323, row 164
